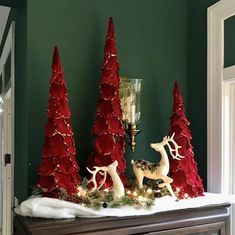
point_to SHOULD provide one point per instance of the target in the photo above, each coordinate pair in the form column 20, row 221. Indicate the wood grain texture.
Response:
column 207, row 220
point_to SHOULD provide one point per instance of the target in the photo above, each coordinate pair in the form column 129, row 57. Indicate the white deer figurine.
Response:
column 117, row 188
column 158, row 170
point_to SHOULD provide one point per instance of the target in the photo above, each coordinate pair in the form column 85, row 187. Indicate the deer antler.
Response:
column 177, row 147
column 93, row 178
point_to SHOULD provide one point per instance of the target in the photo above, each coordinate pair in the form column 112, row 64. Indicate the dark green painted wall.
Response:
column 12, row 3
column 197, row 80
column 229, row 42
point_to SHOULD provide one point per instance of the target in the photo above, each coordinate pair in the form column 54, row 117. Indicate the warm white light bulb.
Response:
column 149, row 190
column 128, row 192
column 178, row 189
column 141, row 199
column 186, row 195
column 135, row 193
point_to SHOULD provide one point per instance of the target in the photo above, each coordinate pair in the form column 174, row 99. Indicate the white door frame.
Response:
column 217, row 76
column 220, row 106
column 7, row 132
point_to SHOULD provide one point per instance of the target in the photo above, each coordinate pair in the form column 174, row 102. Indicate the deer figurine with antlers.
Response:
column 117, row 188
column 160, row 170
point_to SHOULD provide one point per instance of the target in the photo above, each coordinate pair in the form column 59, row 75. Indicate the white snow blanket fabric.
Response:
column 43, row 207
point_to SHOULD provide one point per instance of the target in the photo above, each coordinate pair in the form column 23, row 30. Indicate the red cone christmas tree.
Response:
column 58, row 169
column 108, row 129
column 184, row 173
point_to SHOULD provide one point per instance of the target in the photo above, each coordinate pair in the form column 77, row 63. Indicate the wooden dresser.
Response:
column 207, row 220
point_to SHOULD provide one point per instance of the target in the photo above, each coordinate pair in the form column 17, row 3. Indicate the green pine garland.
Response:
column 139, row 198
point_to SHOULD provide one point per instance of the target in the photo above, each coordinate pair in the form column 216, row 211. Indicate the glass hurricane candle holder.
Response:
column 130, row 95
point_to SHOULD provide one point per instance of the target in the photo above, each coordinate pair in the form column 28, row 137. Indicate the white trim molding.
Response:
column 7, row 131
column 217, row 14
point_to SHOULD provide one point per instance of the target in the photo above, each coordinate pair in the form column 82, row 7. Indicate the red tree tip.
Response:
column 56, row 64
column 176, row 91
column 110, row 33
column 110, row 44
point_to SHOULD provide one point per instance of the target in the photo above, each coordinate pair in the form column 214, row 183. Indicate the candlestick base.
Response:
column 132, row 131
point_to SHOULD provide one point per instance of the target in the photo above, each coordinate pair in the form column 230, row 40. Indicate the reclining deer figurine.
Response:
column 160, row 170
column 117, row 188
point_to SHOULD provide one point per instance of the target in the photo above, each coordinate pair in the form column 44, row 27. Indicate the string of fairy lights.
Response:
column 105, row 198
column 133, row 196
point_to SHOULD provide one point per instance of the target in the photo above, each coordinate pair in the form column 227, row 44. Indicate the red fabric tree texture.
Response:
column 184, row 172
column 108, row 129
column 58, row 169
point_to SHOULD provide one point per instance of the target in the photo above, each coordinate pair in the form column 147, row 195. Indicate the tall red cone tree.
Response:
column 108, row 129
column 58, row 169
column 184, row 172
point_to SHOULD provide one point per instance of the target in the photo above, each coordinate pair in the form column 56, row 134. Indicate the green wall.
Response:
column 160, row 41
column 229, row 39
column 197, row 80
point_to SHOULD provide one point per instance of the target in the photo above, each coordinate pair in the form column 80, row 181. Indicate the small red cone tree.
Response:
column 108, row 129
column 184, row 172
column 59, row 169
